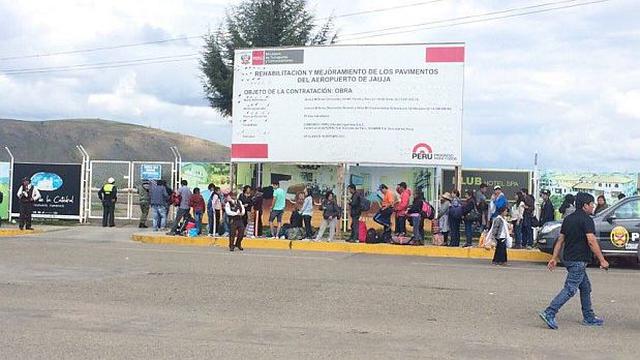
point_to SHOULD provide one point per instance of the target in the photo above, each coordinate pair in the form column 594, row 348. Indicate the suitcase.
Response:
column 362, row 231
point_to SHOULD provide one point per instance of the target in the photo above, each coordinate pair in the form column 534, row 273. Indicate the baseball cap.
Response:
column 545, row 192
column 403, row 184
column 497, row 187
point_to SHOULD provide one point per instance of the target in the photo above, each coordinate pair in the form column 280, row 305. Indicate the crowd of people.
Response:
column 239, row 215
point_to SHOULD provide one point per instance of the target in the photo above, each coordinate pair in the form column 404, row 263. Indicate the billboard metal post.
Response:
column 10, row 195
column 84, row 184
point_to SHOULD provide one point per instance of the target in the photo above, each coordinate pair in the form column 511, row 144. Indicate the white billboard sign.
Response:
column 379, row 104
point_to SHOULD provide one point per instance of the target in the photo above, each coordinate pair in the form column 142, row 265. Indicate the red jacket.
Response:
column 197, row 203
column 403, row 205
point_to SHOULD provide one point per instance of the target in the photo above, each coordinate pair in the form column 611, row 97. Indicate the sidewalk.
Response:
column 340, row 246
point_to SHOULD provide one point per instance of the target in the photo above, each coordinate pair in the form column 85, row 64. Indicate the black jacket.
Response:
column 356, row 204
column 416, row 207
column 548, row 212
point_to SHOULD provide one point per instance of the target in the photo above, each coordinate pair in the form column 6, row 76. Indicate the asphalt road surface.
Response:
column 88, row 293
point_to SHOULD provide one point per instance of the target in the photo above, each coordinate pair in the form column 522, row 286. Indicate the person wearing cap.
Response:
column 547, row 213
column 143, row 200
column 402, row 207
column 499, row 201
column 27, row 195
column 383, row 216
column 235, row 210
column 108, row 194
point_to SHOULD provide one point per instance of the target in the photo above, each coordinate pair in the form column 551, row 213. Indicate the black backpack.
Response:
column 365, row 204
column 372, row 237
column 296, row 219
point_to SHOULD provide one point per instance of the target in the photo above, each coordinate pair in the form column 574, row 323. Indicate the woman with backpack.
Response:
column 330, row 216
column 417, row 219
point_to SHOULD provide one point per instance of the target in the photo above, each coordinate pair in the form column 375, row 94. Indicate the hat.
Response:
column 111, row 180
column 446, row 196
column 383, row 186
column 545, row 192
column 403, row 185
column 497, row 187
column 25, row 179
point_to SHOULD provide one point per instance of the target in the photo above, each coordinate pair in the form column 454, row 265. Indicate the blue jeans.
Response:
column 468, row 231
column 455, row 231
column 527, row 231
column 577, row 279
column 418, row 230
column 198, row 217
column 517, row 230
column 159, row 215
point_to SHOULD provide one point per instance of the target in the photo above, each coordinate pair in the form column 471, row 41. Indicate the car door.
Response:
column 620, row 230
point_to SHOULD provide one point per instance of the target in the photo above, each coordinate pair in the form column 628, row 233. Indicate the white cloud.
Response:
column 562, row 83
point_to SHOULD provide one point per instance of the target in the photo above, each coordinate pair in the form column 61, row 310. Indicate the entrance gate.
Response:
column 128, row 175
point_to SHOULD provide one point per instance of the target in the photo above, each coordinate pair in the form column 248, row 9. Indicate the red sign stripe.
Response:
column 445, row 54
column 249, row 151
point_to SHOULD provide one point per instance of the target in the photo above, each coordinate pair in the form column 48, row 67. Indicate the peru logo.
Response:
column 422, row 151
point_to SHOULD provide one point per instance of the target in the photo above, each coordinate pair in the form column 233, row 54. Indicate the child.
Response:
column 196, row 202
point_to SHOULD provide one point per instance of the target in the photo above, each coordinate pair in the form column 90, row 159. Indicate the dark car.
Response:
column 617, row 230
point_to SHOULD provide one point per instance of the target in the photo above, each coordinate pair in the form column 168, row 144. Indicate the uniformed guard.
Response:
column 108, row 194
column 143, row 193
column 27, row 196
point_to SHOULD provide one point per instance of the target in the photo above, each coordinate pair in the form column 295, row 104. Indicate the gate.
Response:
column 128, row 175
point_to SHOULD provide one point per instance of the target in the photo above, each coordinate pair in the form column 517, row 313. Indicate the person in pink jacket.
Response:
column 402, row 207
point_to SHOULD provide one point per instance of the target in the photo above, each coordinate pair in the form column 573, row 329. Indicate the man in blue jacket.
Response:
column 499, row 201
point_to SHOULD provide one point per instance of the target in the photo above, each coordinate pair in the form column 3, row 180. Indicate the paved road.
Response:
column 86, row 293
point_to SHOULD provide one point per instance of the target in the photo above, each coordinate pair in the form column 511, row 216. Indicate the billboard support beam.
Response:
column 84, row 183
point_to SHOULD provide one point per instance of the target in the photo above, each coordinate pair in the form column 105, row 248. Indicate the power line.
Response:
column 10, row 71
column 191, row 37
column 492, row 13
column 364, row 12
column 183, row 38
column 107, row 65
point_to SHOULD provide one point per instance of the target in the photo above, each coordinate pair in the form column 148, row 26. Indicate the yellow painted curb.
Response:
column 357, row 248
column 17, row 232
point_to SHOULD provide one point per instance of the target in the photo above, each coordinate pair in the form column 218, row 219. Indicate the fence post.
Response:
column 10, row 195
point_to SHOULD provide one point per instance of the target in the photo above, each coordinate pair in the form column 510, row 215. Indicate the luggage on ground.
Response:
column 362, row 231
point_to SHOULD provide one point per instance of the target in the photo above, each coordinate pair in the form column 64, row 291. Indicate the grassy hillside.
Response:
column 55, row 141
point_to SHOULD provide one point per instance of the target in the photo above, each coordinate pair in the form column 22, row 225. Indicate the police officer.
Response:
column 27, row 195
column 108, row 194
column 143, row 193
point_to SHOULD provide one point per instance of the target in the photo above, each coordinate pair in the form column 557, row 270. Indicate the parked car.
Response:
column 617, row 230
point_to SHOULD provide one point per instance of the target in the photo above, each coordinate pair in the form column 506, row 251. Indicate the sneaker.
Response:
column 593, row 322
column 549, row 320
column 529, row 248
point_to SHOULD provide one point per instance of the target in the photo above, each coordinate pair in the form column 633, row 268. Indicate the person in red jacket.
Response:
column 402, row 207
column 196, row 203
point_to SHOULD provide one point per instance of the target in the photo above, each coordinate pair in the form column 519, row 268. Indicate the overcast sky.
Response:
column 565, row 83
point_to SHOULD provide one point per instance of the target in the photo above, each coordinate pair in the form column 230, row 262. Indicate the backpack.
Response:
column 175, row 199
column 427, row 210
column 283, row 230
column 386, row 237
column 455, row 211
column 372, row 237
column 365, row 204
column 296, row 219
column 295, row 233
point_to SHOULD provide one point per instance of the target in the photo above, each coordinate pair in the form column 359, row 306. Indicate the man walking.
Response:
column 277, row 208
column 356, row 211
column 183, row 209
column 27, row 195
column 577, row 235
column 143, row 196
column 108, row 194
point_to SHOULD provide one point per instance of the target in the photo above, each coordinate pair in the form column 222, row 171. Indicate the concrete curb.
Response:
column 379, row 249
column 17, row 232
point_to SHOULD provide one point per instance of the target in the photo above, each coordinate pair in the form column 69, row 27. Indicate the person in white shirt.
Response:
column 235, row 212
column 500, row 232
column 27, row 195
